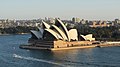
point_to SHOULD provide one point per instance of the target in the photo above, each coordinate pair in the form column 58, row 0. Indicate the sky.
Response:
column 64, row 9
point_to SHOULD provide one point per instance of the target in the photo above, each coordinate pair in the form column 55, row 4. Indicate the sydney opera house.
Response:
column 57, row 36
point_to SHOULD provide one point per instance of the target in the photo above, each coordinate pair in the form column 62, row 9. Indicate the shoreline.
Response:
column 108, row 45
column 4, row 34
column 14, row 34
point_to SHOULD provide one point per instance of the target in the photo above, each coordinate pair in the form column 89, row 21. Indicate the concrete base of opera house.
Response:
column 63, row 45
column 63, row 48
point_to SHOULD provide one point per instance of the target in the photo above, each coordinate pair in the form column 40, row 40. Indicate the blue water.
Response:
column 12, row 56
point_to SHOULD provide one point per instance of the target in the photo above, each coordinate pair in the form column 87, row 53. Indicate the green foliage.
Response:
column 100, row 32
column 16, row 30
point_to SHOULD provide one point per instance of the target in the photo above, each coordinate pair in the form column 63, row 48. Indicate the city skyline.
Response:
column 64, row 9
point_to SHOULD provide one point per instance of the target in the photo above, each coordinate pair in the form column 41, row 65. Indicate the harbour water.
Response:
column 12, row 56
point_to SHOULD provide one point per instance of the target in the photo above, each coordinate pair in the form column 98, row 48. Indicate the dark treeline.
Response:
column 16, row 30
column 101, row 33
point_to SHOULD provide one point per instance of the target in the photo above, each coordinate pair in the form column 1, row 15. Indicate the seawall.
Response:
column 108, row 44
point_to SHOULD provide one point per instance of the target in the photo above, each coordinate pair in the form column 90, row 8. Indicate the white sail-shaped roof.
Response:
column 73, row 34
column 60, row 32
column 56, row 35
column 37, row 34
column 88, row 37
column 63, row 28
column 46, row 25
column 83, row 37
column 41, row 30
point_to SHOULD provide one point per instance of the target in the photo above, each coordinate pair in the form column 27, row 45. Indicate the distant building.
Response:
column 83, row 21
column 117, row 21
column 99, row 24
column 51, row 20
column 76, row 20
column 7, row 23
